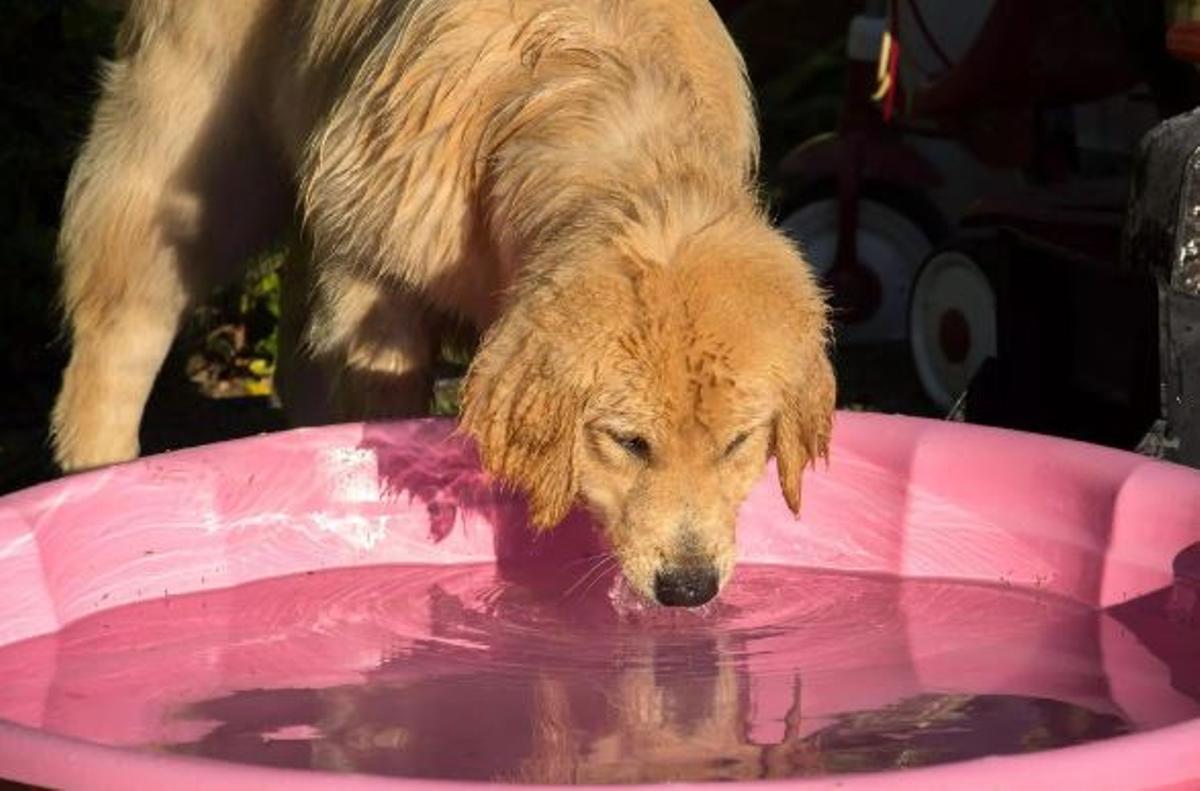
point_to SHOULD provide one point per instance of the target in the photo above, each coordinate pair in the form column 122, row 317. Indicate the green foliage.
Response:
column 447, row 398
column 239, row 332
column 260, row 299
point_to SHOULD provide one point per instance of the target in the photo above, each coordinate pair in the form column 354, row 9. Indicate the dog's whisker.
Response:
column 598, row 573
column 588, row 559
column 605, row 562
column 595, row 579
column 583, row 579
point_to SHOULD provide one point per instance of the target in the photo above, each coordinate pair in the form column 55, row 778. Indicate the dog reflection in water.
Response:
column 659, row 717
column 640, row 704
column 478, row 702
column 674, row 719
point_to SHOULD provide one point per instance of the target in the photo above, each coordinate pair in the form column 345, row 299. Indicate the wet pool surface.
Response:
column 450, row 672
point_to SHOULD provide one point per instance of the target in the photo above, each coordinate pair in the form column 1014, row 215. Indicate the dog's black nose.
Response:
column 689, row 586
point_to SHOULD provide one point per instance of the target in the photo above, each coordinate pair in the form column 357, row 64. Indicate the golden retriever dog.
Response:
column 575, row 179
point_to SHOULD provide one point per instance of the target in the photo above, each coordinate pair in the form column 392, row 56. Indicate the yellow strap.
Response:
column 883, row 75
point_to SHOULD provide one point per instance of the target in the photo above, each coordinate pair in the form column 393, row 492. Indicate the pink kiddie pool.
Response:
column 958, row 608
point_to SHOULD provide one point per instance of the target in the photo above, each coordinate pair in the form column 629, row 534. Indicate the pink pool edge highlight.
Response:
column 909, row 498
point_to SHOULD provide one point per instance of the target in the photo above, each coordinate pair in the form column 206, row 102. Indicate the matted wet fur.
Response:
column 575, row 178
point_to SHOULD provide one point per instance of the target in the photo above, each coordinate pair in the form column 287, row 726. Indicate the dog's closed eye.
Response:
column 633, row 444
column 736, row 443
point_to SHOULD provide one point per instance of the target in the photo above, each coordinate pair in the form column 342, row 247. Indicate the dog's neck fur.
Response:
column 626, row 179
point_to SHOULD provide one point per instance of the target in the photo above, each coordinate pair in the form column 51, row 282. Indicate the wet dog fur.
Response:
column 573, row 178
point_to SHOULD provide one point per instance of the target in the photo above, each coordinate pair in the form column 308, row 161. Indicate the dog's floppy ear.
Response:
column 805, row 421
column 523, row 407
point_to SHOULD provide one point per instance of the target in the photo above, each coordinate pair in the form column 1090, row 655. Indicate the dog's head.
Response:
column 654, row 391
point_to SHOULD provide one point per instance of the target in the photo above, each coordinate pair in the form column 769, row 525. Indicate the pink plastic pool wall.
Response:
column 904, row 497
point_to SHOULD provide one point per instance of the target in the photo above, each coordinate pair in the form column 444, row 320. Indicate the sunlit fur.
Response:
column 575, row 177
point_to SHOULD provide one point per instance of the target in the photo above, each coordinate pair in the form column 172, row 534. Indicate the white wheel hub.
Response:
column 952, row 325
column 889, row 244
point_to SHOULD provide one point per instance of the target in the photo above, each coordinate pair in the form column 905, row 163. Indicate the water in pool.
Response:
column 447, row 672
